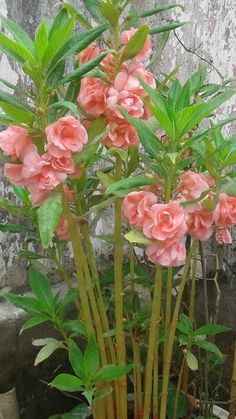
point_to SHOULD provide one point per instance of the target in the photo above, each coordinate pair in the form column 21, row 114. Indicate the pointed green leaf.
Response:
column 14, row 50
column 66, row 382
column 48, row 217
column 40, row 286
column 191, row 361
column 75, row 326
column 83, row 69
column 41, row 40
column 19, row 35
column 167, row 27
column 91, row 358
column 15, row 101
column 211, row 329
column 63, row 104
column 57, row 41
column 135, row 44
column 136, row 236
column 109, row 12
column 28, row 304
column 159, row 9
column 112, row 372
column 76, row 359
column 126, row 185
column 93, row 6
column 33, row 321
column 48, row 350
column 208, row 346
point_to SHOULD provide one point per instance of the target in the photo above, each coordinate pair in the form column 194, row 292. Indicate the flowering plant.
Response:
column 169, row 179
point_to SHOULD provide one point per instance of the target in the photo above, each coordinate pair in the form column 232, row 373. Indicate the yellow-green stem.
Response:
column 152, row 341
column 72, row 227
column 155, row 385
column 171, row 337
column 178, row 389
column 168, row 303
column 131, row 269
column 138, row 410
column 191, row 313
column 118, row 277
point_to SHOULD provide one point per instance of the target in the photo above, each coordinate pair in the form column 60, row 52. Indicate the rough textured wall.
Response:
column 210, row 32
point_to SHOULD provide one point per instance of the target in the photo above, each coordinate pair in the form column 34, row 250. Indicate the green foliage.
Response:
column 48, row 217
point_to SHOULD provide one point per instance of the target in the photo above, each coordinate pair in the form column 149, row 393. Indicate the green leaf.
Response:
column 114, row 151
column 15, row 101
column 48, row 217
column 184, row 324
column 93, row 6
column 192, row 115
column 109, row 12
column 112, row 372
column 167, row 27
column 208, row 346
column 76, row 359
column 82, row 70
column 21, row 193
column 91, row 358
column 159, row 9
column 88, row 394
column 51, row 346
column 136, row 236
column 127, row 184
column 71, row 294
column 210, row 329
column 41, row 40
column 191, row 361
column 66, row 382
column 34, row 321
column 150, row 142
column 76, row 44
column 40, row 286
column 63, row 104
column 57, row 41
column 14, row 228
column 135, row 44
column 76, row 15
column 31, row 255
column 59, row 21
column 14, row 50
column 19, row 35
column 28, row 304
column 75, row 326
column 17, row 116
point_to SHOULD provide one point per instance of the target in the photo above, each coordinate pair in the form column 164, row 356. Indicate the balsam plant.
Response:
column 170, row 176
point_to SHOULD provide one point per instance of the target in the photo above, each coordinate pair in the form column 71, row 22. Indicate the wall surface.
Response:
column 210, row 32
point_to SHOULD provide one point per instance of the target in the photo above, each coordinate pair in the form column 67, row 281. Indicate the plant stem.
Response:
column 131, row 261
column 191, row 313
column 171, row 336
column 152, row 342
column 178, row 389
column 232, row 407
column 72, row 227
column 205, row 302
column 168, row 303
column 138, row 405
column 118, row 278
column 155, row 384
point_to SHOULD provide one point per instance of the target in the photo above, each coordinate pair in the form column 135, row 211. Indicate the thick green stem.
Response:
column 152, row 342
column 171, row 337
column 118, row 277
column 178, row 389
column 72, row 227
column 168, row 304
column 138, row 404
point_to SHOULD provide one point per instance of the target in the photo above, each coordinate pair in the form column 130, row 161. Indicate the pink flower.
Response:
column 137, row 207
column 145, row 52
column 199, row 224
column 49, row 179
column 129, row 101
column 13, row 141
column 61, row 164
column 192, row 185
column 225, row 211
column 33, row 165
column 92, row 96
column 37, row 196
column 88, row 53
column 65, row 136
column 223, row 236
column 123, row 135
column 168, row 221
column 62, row 231
column 14, row 173
column 128, row 78
column 166, row 254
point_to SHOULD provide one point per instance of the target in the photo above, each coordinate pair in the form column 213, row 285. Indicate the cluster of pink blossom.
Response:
column 41, row 174
column 166, row 225
column 98, row 97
